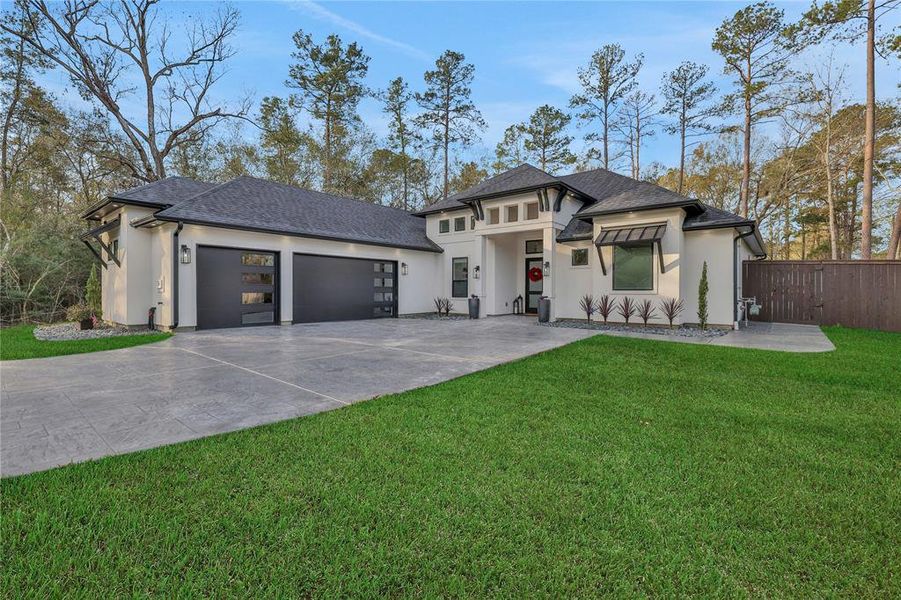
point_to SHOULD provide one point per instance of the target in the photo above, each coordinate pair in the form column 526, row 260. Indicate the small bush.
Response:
column 78, row 312
column 586, row 303
column 646, row 311
column 626, row 308
column 670, row 307
column 605, row 307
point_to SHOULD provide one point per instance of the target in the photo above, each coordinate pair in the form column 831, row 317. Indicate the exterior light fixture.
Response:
column 404, row 269
column 547, row 268
column 185, row 255
column 475, row 273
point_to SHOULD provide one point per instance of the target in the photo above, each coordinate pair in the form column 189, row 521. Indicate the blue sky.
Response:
column 526, row 53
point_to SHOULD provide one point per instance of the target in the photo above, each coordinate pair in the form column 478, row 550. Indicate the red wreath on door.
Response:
column 535, row 274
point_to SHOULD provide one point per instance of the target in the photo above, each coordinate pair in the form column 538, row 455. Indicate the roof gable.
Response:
column 523, row 177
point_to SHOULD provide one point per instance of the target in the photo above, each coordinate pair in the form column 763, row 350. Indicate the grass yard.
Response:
column 19, row 342
column 611, row 466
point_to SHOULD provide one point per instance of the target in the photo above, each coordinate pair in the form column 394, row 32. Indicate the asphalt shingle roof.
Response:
column 170, row 190
column 713, row 217
column 614, row 193
column 251, row 203
column 524, row 176
column 576, row 229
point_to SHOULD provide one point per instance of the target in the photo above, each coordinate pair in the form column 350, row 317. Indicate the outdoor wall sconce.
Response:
column 475, row 273
column 185, row 255
column 403, row 268
column 547, row 269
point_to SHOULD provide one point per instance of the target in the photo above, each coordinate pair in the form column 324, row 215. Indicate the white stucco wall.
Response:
column 126, row 288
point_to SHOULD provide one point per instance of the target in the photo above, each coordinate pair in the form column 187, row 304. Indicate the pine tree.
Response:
column 702, row 298
column 546, row 139
column 448, row 111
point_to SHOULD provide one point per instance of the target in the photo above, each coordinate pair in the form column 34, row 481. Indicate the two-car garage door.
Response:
column 238, row 287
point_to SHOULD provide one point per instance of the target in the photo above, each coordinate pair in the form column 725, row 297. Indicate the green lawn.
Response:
column 19, row 342
column 611, row 466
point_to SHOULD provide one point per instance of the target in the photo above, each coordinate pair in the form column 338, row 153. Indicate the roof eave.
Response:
column 88, row 214
column 434, row 247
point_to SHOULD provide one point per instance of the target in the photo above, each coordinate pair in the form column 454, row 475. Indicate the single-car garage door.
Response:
column 332, row 288
column 236, row 287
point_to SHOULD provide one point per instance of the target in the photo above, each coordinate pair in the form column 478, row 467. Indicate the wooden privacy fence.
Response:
column 852, row 293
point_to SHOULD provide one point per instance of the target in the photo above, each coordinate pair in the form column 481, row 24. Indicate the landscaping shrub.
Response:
column 702, row 298
column 670, row 307
column 626, row 308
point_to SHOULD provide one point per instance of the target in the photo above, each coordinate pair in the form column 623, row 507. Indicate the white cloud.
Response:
column 324, row 14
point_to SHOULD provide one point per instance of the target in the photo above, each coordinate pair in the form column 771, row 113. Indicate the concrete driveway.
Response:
column 73, row 408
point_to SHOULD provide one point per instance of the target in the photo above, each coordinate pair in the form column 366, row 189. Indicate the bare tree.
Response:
column 635, row 122
column 102, row 45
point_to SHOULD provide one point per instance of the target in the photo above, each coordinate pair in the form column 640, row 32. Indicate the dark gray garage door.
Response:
column 236, row 287
column 330, row 288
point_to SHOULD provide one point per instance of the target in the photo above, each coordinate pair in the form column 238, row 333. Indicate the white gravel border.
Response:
column 69, row 331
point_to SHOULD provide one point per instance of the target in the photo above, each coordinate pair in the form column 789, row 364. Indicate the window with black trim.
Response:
column 460, row 224
column 444, row 226
column 534, row 246
column 460, row 278
column 114, row 247
column 633, row 268
column 580, row 257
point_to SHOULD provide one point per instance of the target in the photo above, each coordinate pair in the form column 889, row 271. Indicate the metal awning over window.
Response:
column 638, row 235
column 94, row 234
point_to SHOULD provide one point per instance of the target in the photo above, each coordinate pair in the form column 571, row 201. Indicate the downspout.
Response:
column 735, row 275
column 178, row 229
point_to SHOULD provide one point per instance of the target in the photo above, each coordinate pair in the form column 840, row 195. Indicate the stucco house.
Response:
column 253, row 252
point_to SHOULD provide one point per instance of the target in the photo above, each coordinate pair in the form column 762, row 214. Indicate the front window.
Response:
column 580, row 257
column 444, row 226
column 460, row 278
column 512, row 214
column 633, row 268
column 494, row 216
column 460, row 224
column 531, row 211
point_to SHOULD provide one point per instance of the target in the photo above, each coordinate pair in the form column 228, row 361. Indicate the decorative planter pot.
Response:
column 544, row 309
column 86, row 324
column 474, row 307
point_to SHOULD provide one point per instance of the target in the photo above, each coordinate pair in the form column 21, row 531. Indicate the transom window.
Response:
column 633, row 268
column 460, row 224
column 512, row 214
column 460, row 278
column 444, row 226
column 580, row 257
column 534, row 246
column 531, row 211
column 494, row 216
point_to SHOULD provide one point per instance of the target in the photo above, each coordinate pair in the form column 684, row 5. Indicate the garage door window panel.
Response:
column 258, row 259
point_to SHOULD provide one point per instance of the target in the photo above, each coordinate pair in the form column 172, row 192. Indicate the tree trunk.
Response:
column 866, row 221
column 327, row 167
column 746, row 161
column 606, row 161
column 681, row 153
column 894, row 244
column 830, row 193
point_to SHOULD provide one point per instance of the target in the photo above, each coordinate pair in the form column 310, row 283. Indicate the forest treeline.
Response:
column 785, row 143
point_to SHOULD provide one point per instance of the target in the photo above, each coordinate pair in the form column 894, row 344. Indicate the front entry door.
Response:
column 534, row 289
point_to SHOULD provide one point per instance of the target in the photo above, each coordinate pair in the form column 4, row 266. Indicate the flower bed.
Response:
column 677, row 330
